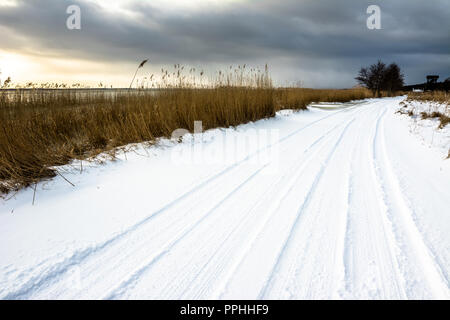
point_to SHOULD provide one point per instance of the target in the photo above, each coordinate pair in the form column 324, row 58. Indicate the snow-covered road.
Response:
column 355, row 207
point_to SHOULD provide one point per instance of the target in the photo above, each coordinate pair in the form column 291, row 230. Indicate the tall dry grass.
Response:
column 41, row 129
column 433, row 96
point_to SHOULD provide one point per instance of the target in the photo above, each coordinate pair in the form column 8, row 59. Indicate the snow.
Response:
column 427, row 130
column 343, row 201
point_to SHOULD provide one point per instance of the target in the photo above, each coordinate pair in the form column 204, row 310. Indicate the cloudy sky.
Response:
column 322, row 43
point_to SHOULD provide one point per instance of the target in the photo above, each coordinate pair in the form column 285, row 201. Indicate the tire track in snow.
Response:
column 134, row 277
column 221, row 290
column 292, row 175
column 347, row 239
column 23, row 293
column 387, row 222
column 410, row 238
column 313, row 267
column 369, row 254
column 301, row 209
column 188, row 273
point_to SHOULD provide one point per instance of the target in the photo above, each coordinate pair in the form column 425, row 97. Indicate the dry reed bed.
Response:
column 39, row 131
column 433, row 96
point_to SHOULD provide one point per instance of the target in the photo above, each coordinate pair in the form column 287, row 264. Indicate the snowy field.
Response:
column 427, row 130
column 339, row 202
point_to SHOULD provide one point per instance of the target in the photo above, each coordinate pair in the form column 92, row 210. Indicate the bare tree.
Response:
column 393, row 78
column 379, row 77
column 373, row 77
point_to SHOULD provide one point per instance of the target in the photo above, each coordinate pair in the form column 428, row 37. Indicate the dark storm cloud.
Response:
column 322, row 42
